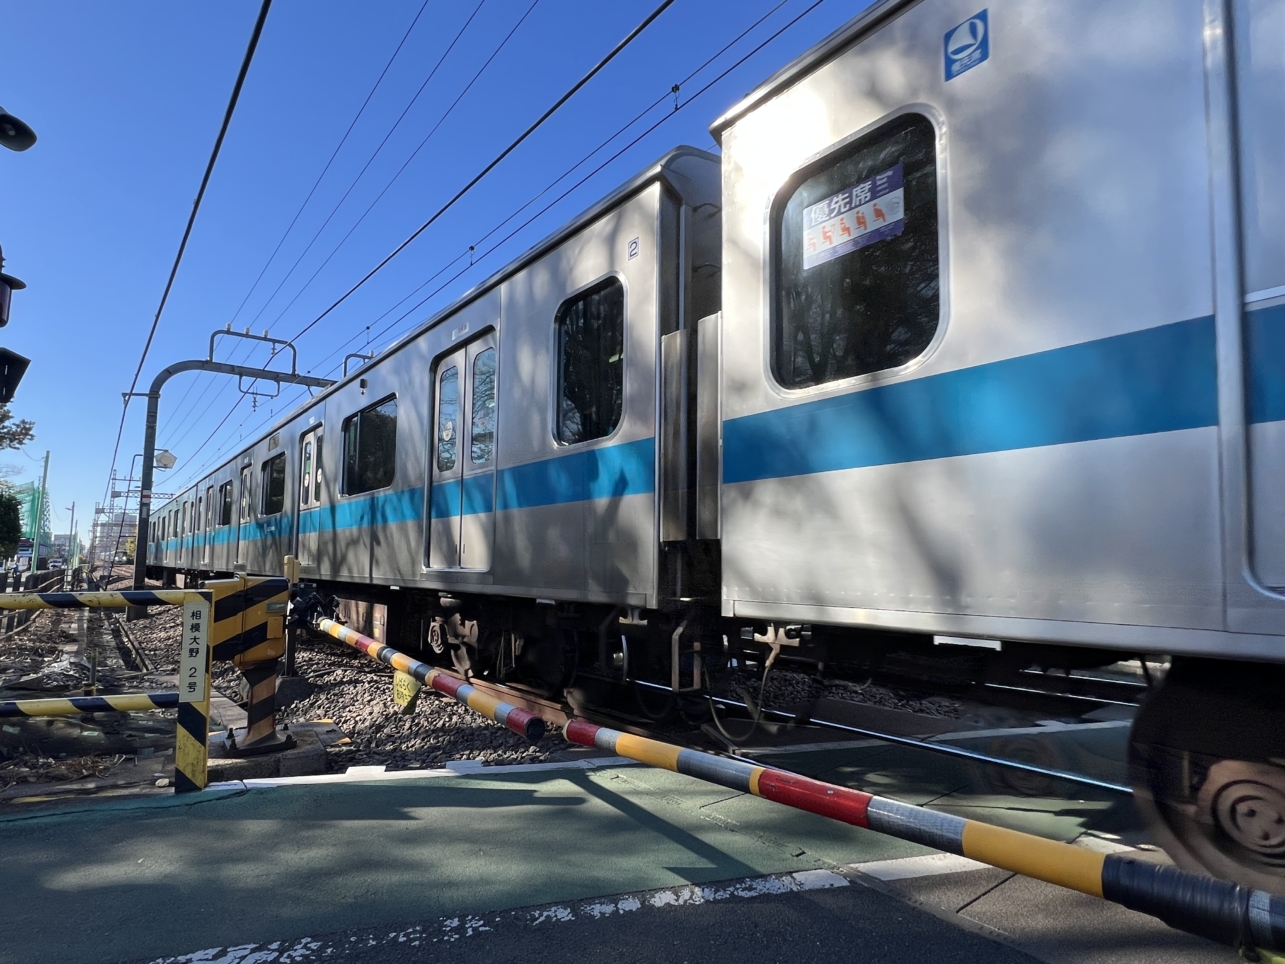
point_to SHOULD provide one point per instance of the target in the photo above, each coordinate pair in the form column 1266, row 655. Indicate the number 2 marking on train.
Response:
column 633, row 249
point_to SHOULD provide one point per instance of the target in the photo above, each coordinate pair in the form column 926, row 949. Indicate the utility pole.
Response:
column 73, row 555
column 38, row 523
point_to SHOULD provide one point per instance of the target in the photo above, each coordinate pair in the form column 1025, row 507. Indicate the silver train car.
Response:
column 974, row 332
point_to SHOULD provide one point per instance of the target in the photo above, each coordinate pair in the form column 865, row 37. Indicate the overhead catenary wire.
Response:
column 353, row 184
column 479, row 257
column 597, row 68
column 313, row 190
column 594, row 71
column 396, row 124
column 191, row 221
column 415, row 153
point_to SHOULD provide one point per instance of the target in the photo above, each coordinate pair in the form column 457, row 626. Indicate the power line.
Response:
column 689, row 100
column 665, row 4
column 411, row 103
column 338, row 147
column 210, row 381
column 317, row 183
column 604, row 164
column 196, row 207
column 415, row 153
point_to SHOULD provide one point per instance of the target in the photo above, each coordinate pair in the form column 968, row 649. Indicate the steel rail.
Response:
column 943, row 748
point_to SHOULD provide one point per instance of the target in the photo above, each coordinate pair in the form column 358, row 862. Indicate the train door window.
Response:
column 196, row 516
column 316, row 479
column 370, row 447
column 183, row 531
column 482, row 429
column 246, row 504
column 272, row 485
column 209, row 508
column 225, row 507
column 305, row 474
column 856, row 272
column 448, row 418
column 591, row 371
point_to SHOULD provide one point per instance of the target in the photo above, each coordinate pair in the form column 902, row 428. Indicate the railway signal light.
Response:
column 8, row 285
column 12, row 367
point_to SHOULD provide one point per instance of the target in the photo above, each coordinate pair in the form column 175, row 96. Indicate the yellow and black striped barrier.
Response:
column 191, row 740
column 1245, row 918
column 76, row 705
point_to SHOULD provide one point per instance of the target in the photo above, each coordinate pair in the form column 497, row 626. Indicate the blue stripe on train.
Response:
column 1157, row 380
column 604, row 473
column 479, row 496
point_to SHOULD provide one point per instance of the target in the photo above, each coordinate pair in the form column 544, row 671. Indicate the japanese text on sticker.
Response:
column 854, row 218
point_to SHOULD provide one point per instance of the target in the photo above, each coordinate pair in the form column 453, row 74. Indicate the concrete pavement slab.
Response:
column 161, row 876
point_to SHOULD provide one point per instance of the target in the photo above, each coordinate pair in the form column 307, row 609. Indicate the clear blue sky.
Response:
column 127, row 100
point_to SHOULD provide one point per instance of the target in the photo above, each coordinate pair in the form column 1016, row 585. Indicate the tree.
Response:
column 14, row 435
column 10, row 522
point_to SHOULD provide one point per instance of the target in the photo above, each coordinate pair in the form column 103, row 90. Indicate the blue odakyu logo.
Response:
column 967, row 45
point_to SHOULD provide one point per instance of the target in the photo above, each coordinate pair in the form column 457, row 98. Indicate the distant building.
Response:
column 113, row 531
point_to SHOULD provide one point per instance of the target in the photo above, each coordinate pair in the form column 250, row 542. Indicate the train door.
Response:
column 207, row 532
column 306, row 531
column 461, row 526
column 243, row 515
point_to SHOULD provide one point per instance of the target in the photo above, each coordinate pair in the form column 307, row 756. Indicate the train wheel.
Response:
column 1207, row 764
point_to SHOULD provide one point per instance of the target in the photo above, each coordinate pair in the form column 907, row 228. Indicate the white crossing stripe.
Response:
column 928, row 865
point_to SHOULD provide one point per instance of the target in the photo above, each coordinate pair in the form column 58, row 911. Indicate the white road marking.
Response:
column 449, row 929
column 455, row 768
column 927, row 865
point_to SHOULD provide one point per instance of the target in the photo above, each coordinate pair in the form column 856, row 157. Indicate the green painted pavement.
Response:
column 165, row 876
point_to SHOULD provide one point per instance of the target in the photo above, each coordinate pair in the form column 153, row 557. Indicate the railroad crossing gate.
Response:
column 190, row 741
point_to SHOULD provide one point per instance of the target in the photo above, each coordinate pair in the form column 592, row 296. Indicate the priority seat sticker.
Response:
column 861, row 215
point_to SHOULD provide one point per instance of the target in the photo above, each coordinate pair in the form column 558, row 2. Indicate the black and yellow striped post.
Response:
column 192, row 738
column 190, row 742
column 249, row 632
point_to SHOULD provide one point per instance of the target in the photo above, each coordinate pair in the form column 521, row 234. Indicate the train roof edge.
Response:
column 868, row 20
column 655, row 171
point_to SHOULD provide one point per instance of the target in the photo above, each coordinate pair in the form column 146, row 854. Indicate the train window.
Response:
column 370, row 447
column 591, row 371
column 855, row 249
column 272, row 485
column 448, row 418
column 183, row 531
column 196, row 516
column 225, row 507
column 316, row 481
column 246, row 503
column 305, row 470
column 209, row 507
column 482, row 436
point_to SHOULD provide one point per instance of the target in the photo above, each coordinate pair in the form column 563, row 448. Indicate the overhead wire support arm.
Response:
column 153, row 395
